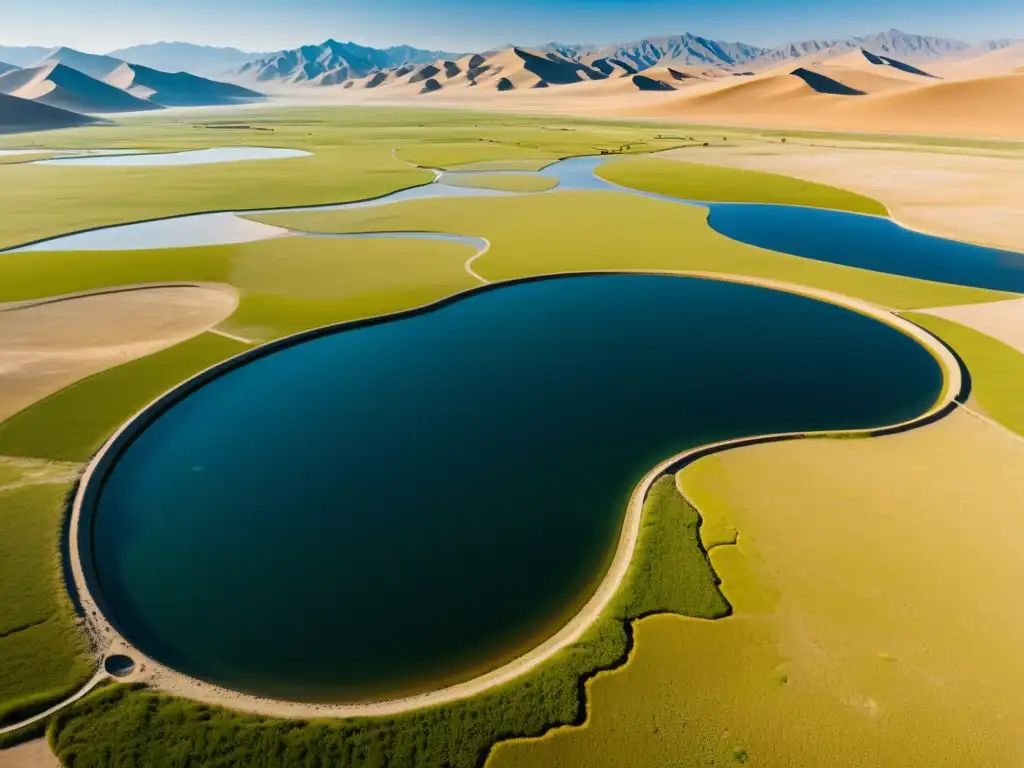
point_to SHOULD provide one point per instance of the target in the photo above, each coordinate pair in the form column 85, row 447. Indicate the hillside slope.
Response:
column 59, row 86
column 22, row 115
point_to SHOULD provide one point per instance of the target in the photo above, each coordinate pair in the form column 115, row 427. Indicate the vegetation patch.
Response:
column 842, row 671
column 43, row 655
column 351, row 159
column 715, row 184
column 996, row 369
column 669, row 572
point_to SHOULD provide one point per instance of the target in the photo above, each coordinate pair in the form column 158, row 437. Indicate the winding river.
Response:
column 839, row 237
column 412, row 502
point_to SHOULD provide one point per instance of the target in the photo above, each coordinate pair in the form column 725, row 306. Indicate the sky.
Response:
column 471, row 25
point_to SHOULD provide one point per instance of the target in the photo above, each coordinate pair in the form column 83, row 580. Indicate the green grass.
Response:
column 43, row 656
column 44, row 201
column 125, row 724
column 506, row 183
column 351, row 160
column 695, row 181
column 997, row 369
column 576, row 231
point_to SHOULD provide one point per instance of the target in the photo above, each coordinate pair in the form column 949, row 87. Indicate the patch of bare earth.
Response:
column 46, row 346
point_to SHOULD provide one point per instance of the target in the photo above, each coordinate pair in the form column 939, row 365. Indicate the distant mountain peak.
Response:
column 332, row 62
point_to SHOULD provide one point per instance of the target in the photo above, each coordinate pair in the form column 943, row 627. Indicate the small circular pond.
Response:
column 407, row 504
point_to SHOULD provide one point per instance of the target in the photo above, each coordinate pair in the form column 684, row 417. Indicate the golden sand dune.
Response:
column 1004, row 61
column 866, row 61
column 992, row 106
column 852, row 91
column 59, row 86
column 511, row 69
column 868, row 81
column 757, row 95
column 984, row 106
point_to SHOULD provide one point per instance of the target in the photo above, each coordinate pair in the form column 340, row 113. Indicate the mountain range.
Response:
column 67, row 84
column 202, row 60
column 333, row 62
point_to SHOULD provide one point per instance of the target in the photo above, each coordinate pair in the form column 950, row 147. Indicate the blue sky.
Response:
column 465, row 25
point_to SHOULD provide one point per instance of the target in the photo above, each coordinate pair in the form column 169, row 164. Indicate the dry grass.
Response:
column 892, row 642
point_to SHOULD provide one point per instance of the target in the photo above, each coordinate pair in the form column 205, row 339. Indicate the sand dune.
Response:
column 90, row 64
column 5, row 67
column 788, row 92
column 822, row 83
column 1004, row 61
column 178, row 89
column 646, row 83
column 867, row 62
column 610, row 67
column 849, row 91
column 23, row 115
column 866, row 80
column 510, row 69
column 59, row 86
column 991, row 106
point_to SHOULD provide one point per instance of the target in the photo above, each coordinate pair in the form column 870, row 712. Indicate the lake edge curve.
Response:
column 107, row 639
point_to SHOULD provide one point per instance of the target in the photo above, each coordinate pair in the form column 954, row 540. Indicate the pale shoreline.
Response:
column 110, row 641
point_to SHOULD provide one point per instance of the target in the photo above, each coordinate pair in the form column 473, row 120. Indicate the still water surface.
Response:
column 397, row 507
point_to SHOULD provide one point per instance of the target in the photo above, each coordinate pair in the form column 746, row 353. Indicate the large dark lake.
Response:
column 405, row 505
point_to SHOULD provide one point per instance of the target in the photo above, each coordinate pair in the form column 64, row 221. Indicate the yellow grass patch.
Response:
column 893, row 640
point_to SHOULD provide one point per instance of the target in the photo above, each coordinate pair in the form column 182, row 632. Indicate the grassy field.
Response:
column 891, row 644
column 573, row 231
column 997, row 369
column 351, row 159
column 42, row 655
column 122, row 724
column 694, row 181
column 507, row 183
